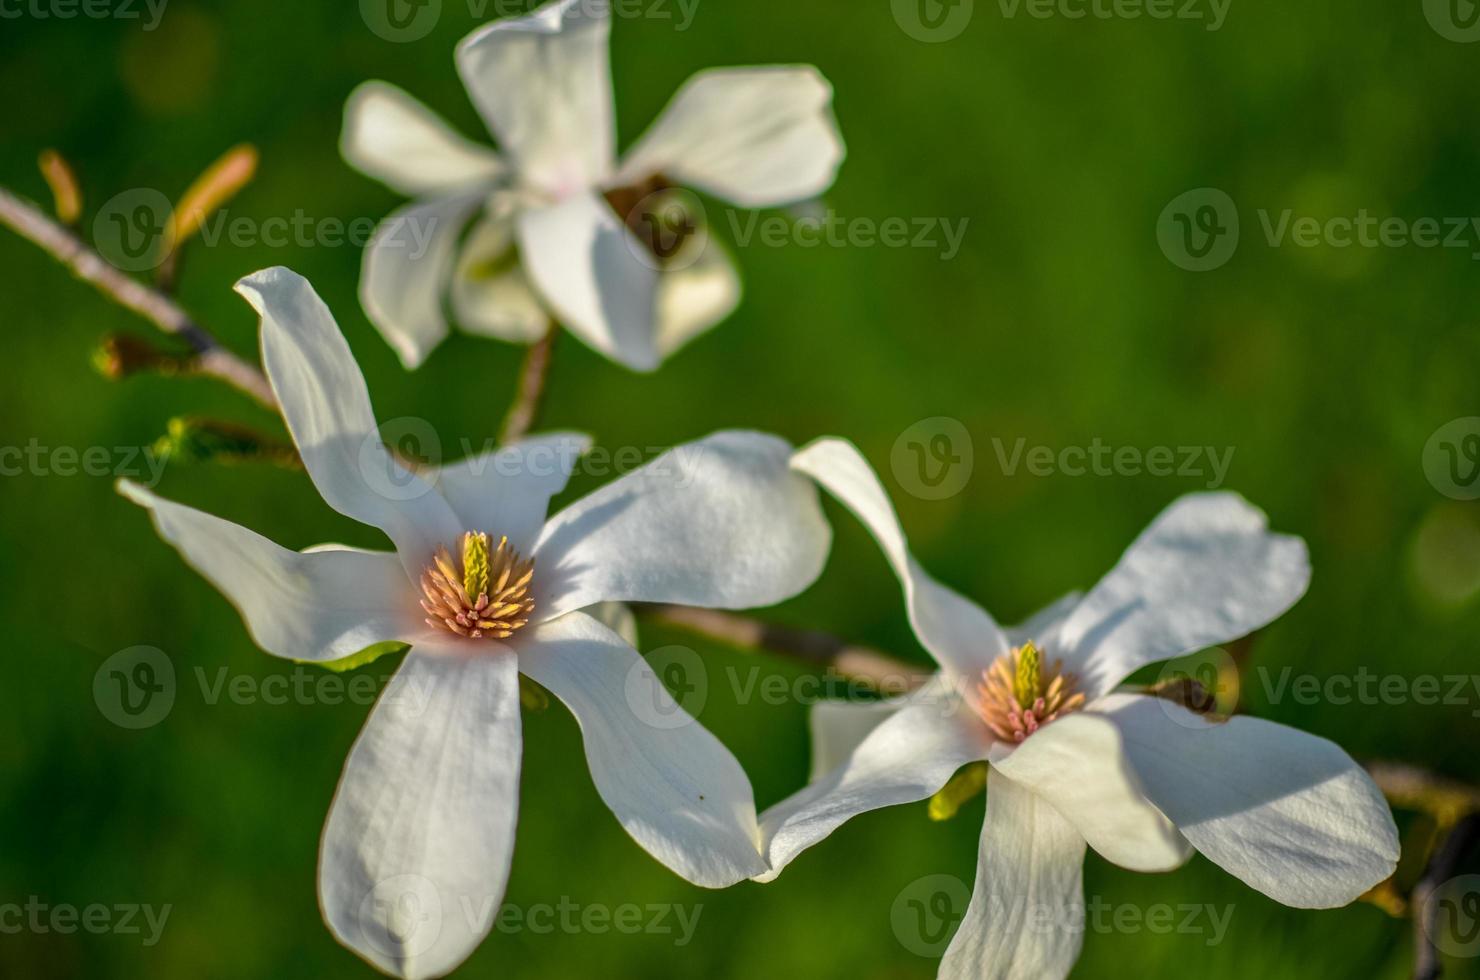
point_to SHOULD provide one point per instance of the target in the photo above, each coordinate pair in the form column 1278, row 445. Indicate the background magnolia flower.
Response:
column 1141, row 780
column 565, row 229
column 426, row 807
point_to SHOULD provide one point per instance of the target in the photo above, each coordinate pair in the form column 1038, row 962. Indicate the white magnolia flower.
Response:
column 483, row 586
column 1141, row 780
column 565, row 229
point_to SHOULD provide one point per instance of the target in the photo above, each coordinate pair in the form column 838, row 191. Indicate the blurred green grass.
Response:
column 1060, row 322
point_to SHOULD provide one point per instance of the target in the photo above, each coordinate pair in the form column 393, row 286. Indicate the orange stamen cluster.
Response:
column 485, row 595
column 1016, row 697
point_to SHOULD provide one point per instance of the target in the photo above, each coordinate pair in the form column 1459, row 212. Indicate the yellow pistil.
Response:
column 1017, row 696
column 487, row 597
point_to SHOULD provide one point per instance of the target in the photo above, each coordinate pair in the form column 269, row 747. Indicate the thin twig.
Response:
column 1442, row 867
column 530, row 395
column 216, row 361
column 818, row 649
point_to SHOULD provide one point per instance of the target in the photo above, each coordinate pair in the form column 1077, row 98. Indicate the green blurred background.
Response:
column 1060, row 321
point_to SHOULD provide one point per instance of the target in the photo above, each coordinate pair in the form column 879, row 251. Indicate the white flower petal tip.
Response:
column 1206, row 571
column 1288, row 813
column 392, row 137
column 674, row 787
column 542, row 82
column 959, row 634
column 759, row 136
column 417, row 846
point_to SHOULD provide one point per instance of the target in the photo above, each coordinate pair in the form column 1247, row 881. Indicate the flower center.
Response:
column 488, row 595
column 659, row 219
column 1017, row 696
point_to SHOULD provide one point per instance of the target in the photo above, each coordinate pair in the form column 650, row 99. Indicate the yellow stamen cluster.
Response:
column 487, row 597
column 1016, row 696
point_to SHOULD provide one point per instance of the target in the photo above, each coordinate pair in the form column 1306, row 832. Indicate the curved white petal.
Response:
column 759, row 136
column 397, row 140
column 405, row 270
column 721, row 523
column 327, row 409
column 908, row 757
column 695, row 292
column 542, row 82
column 318, row 605
column 594, row 274
column 959, row 634
column 1079, row 765
column 416, row 849
column 1288, row 813
column 1026, row 917
column 491, row 294
column 507, row 491
column 678, row 791
column 1044, row 625
column 1206, row 571
column 839, row 727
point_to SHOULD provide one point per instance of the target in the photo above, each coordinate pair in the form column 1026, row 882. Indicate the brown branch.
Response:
column 530, row 394
column 214, row 360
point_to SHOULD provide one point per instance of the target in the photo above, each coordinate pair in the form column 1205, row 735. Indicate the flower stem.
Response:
column 529, row 396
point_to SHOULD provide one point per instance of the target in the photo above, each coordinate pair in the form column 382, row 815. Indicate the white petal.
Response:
column 908, row 757
column 405, row 270
column 542, row 82
column 1026, row 917
column 839, row 727
column 721, row 523
column 318, row 605
column 397, row 140
column 507, row 491
column 960, row 634
column 591, row 271
column 1078, row 764
column 327, row 409
column 695, row 292
column 1206, row 571
column 674, row 787
column 491, row 295
column 756, row 136
column 416, row 849
column 1288, row 813
column 1043, row 626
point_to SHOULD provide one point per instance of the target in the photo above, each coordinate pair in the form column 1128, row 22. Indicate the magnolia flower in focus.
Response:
column 615, row 251
column 1072, row 762
column 483, row 586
